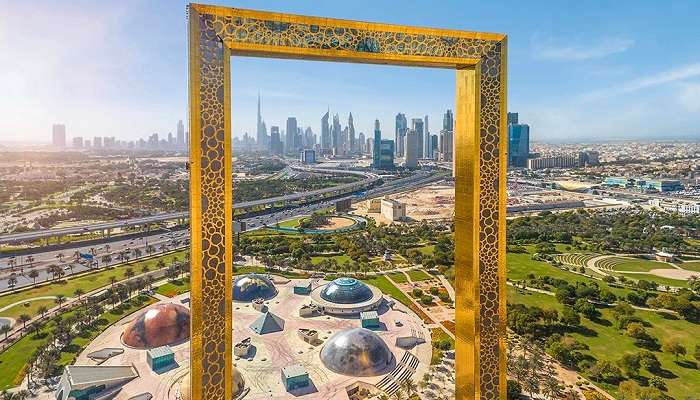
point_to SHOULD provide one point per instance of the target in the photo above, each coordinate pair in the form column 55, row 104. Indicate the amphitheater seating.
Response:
column 403, row 370
column 574, row 259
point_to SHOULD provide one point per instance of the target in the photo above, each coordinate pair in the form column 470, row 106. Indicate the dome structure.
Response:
column 249, row 287
column 186, row 385
column 158, row 325
column 357, row 352
column 346, row 291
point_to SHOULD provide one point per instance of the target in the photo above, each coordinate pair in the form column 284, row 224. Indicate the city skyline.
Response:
column 596, row 84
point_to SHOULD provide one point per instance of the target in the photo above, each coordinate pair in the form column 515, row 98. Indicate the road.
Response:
column 171, row 240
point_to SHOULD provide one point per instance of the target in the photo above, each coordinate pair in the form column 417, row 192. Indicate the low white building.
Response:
column 393, row 210
column 91, row 381
column 680, row 206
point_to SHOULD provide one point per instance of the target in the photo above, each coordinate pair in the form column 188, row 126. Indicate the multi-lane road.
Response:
column 160, row 241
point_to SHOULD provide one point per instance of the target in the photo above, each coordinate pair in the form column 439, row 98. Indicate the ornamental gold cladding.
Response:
column 264, row 34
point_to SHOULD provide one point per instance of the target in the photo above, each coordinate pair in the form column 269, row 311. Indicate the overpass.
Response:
column 369, row 180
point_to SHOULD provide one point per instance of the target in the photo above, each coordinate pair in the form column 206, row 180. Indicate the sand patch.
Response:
column 679, row 274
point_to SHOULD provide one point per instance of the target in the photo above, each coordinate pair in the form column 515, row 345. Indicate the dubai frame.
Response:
column 479, row 59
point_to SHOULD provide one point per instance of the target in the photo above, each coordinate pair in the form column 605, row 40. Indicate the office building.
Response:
column 325, row 134
column 564, row 161
column 400, row 133
column 78, row 142
column 290, row 139
column 427, row 144
column 417, row 125
column 59, row 135
column 261, row 131
column 361, row 143
column 393, row 210
column 351, row 144
column 386, row 154
column 276, row 146
column 448, row 120
column 180, row 134
column 411, row 148
column 97, row 141
column 336, row 136
column 519, row 143
column 376, row 162
column 588, row 158
column 308, row 156
column 445, row 145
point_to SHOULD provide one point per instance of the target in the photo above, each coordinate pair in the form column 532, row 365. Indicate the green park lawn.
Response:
column 606, row 342
column 638, row 265
column 690, row 265
column 398, row 277
column 426, row 250
column 340, row 259
column 87, row 282
column 292, row 223
column 418, row 275
column 383, row 284
column 174, row 288
column 654, row 278
column 14, row 359
column 30, row 307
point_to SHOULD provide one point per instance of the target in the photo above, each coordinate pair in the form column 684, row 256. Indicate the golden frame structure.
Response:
column 479, row 59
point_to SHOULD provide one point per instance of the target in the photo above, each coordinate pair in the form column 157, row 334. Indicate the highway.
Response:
column 370, row 179
column 175, row 239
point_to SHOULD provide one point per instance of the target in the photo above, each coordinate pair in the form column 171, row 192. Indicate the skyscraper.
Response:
column 386, row 154
column 361, row 143
column 260, row 134
column 336, row 135
column 325, row 134
column 352, row 146
column 376, row 145
column 180, row 134
column 275, row 141
column 59, row 135
column 417, row 125
column 445, row 145
column 400, row 133
column 411, row 147
column 448, row 120
column 518, row 142
column 290, row 139
column 78, row 142
column 427, row 144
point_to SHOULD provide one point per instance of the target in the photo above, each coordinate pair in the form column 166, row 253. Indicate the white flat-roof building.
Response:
column 86, row 381
column 680, row 206
column 393, row 210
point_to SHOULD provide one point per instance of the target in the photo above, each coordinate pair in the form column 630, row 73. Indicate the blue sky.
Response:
column 577, row 70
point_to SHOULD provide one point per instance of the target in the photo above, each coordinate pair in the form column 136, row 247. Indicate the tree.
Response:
column 551, row 388
column 24, row 318
column 513, row 390
column 696, row 353
column 674, row 347
column 79, row 293
column 42, row 310
column 648, row 360
column 570, row 317
column 629, row 390
column 630, row 364
column 33, row 274
column 657, row 382
column 587, row 309
column 60, row 300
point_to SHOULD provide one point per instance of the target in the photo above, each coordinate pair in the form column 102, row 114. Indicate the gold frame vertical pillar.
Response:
column 211, row 211
column 467, row 180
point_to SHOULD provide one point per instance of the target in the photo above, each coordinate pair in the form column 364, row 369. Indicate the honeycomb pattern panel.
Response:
column 213, row 203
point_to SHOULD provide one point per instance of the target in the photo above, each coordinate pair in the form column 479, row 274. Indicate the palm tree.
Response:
column 59, row 300
column 551, row 389
column 106, row 259
column 78, row 293
column 59, row 256
column 24, row 318
column 112, row 280
column 409, row 387
column 42, row 310
column 399, row 395
column 12, row 280
column 36, row 327
column 33, row 274
column 30, row 260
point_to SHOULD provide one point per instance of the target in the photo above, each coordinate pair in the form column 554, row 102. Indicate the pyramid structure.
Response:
column 267, row 323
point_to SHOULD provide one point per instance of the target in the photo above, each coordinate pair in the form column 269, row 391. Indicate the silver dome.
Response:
column 357, row 352
column 346, row 291
column 249, row 287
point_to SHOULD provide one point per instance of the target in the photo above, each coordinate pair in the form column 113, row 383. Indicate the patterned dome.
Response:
column 249, row 287
column 357, row 352
column 158, row 325
column 346, row 291
column 186, row 385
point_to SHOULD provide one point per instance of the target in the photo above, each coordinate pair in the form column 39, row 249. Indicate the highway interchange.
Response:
column 164, row 241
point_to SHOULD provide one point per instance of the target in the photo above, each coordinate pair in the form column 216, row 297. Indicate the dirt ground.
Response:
column 434, row 202
column 337, row 223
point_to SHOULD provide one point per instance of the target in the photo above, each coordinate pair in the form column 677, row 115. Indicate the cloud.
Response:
column 689, row 97
column 661, row 78
column 548, row 49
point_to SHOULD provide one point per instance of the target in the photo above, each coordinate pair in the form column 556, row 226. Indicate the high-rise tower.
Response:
column 417, row 125
column 325, row 134
column 400, row 133
column 180, row 134
column 376, row 146
column 427, row 144
column 352, row 144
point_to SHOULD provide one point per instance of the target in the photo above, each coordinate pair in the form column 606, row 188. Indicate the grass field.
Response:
column 340, row 259
column 398, row 277
column 690, row 265
column 601, row 335
column 418, row 275
column 292, row 223
column 426, row 250
column 383, row 284
column 653, row 278
column 30, row 308
column 638, row 265
column 86, row 282
column 14, row 359
column 174, row 288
